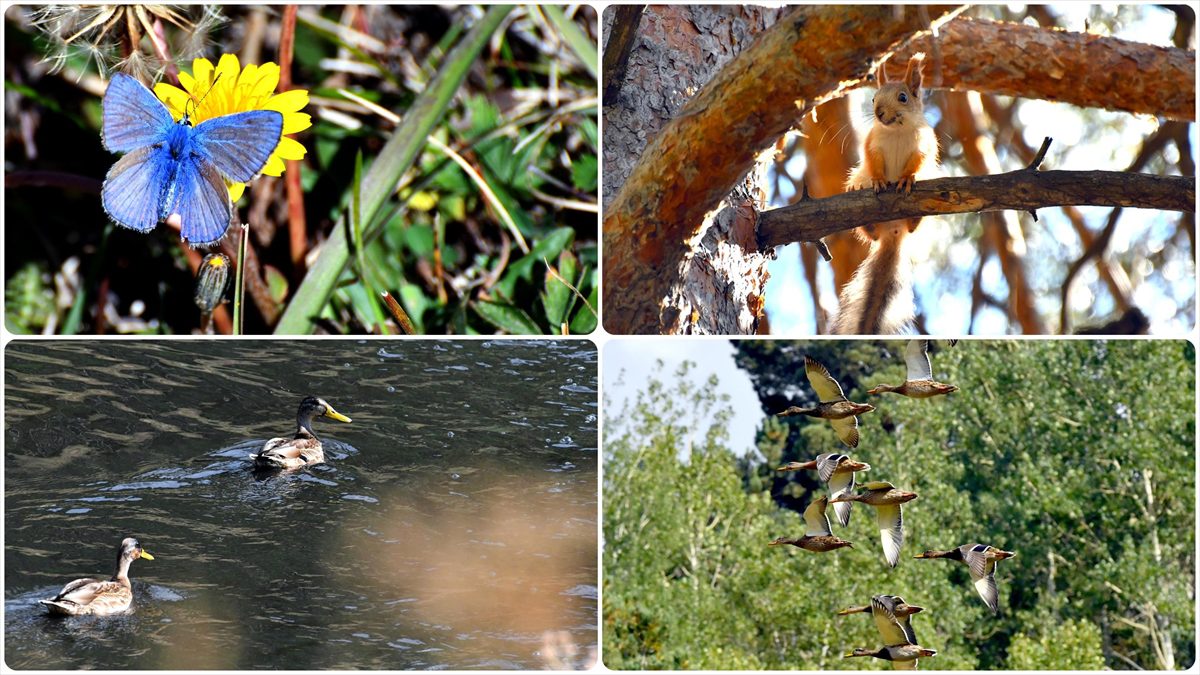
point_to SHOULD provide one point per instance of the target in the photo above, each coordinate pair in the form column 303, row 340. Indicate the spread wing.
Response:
column 916, row 357
column 827, row 464
column 840, row 484
column 239, row 144
column 847, row 430
column 201, row 199
column 822, row 382
column 894, row 630
column 134, row 187
column 905, row 665
column 891, row 531
column 133, row 117
column 983, row 573
column 815, row 520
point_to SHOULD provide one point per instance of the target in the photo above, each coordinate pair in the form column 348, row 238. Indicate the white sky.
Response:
column 636, row 356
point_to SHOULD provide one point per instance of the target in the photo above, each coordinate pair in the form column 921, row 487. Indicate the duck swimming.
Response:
column 302, row 449
column 99, row 596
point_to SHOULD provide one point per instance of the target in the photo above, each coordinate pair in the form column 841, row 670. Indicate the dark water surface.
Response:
column 454, row 525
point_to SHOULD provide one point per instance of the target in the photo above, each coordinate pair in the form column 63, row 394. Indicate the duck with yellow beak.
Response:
column 100, row 596
column 302, row 449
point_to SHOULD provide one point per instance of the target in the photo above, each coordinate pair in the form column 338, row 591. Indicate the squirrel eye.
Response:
column 903, row 97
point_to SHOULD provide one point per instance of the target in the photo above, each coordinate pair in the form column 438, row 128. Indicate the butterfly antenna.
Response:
column 195, row 103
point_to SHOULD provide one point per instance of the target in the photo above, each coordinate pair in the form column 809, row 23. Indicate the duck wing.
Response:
column 916, row 357
column 815, row 520
column 840, row 484
column 847, row 430
column 827, row 388
column 983, row 573
column 894, row 630
column 890, row 518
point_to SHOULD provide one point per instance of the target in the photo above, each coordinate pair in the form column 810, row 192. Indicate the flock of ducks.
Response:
column 115, row 595
column 837, row 471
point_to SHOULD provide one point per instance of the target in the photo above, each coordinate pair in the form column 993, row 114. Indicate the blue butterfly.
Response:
column 177, row 171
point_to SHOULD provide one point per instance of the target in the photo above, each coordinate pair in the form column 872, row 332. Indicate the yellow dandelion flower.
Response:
column 238, row 90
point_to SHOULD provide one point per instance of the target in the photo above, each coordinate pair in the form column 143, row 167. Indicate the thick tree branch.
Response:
column 1086, row 70
column 1021, row 190
column 696, row 159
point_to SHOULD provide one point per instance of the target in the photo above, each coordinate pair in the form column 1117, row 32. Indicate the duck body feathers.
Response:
column 833, row 404
column 290, row 453
column 100, row 596
column 981, row 560
column 918, row 382
column 302, row 449
column 817, row 535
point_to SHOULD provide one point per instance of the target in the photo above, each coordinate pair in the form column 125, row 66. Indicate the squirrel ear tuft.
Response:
column 912, row 76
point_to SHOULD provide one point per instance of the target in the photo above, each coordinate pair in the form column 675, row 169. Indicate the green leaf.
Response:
column 546, row 248
column 584, row 320
column 583, row 173
column 508, row 318
column 558, row 297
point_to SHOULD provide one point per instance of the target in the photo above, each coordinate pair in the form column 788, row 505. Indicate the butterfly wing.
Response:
column 239, row 144
column 134, row 187
column 200, row 201
column 133, row 117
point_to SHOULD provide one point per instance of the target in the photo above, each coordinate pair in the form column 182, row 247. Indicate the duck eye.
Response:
column 903, row 97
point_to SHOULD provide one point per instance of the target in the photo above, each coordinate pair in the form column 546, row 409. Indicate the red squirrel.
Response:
column 899, row 149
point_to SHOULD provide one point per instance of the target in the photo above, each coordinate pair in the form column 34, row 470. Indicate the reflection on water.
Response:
column 453, row 525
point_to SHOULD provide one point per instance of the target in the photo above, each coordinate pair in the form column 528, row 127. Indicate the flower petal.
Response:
column 287, row 101
column 290, row 148
column 173, row 97
column 274, row 167
column 202, row 70
column 186, row 81
column 265, row 80
column 229, row 67
column 296, row 122
column 235, row 191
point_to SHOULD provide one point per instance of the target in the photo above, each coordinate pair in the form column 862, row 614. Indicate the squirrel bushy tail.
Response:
column 878, row 299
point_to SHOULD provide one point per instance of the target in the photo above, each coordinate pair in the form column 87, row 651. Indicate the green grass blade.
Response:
column 395, row 158
column 578, row 42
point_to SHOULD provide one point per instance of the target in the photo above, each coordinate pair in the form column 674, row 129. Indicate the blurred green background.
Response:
column 522, row 115
column 1077, row 455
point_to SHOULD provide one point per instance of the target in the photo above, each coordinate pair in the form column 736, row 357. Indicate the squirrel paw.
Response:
column 906, row 184
column 878, row 185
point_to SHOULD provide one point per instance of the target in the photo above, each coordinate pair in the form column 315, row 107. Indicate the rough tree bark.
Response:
column 677, row 49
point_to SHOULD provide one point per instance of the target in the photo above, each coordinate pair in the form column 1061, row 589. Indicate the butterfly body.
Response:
column 173, row 171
